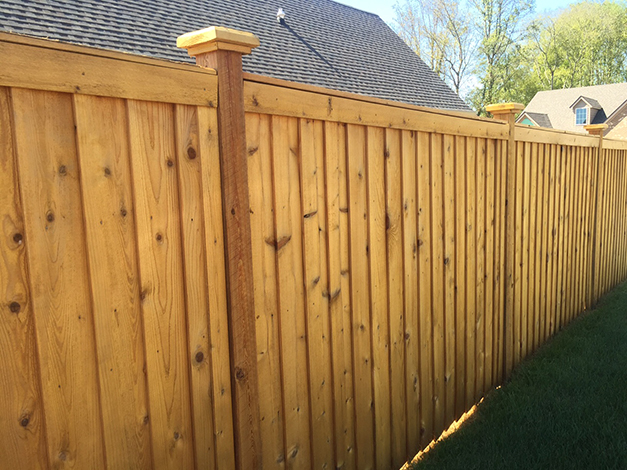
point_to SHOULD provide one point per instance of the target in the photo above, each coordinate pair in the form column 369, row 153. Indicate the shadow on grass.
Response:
column 564, row 408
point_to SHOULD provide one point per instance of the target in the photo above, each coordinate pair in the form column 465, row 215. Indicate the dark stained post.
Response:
column 507, row 112
column 222, row 49
column 593, row 293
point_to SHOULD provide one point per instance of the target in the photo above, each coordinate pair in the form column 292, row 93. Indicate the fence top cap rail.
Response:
column 217, row 38
column 504, row 108
column 53, row 44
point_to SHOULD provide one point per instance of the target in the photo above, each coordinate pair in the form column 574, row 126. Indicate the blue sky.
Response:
column 385, row 8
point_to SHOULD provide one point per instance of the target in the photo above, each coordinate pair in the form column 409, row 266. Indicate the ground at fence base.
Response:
column 564, row 407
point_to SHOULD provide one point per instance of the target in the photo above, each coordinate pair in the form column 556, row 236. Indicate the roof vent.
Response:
column 280, row 16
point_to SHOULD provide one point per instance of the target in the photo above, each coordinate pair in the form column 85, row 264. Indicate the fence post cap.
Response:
column 504, row 108
column 595, row 129
column 217, row 38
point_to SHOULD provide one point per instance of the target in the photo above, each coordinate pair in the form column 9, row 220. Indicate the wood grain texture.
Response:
column 55, row 232
column 153, row 157
column 22, row 428
column 259, row 148
column 339, row 294
column 237, row 237
column 219, row 345
column 394, row 231
column 102, row 141
column 293, row 323
column 316, row 297
column 360, row 295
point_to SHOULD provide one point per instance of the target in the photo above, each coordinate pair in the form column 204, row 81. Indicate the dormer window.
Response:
column 581, row 116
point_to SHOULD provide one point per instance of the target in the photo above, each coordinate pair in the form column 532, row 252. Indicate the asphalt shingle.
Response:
column 322, row 42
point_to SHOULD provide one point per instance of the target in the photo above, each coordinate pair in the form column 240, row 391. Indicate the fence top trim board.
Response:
column 279, row 97
column 525, row 133
column 53, row 66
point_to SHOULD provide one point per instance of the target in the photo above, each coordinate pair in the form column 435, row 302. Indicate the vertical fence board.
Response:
column 22, row 427
column 460, row 275
column 471, row 272
column 449, row 277
column 437, row 291
column 413, row 311
column 480, row 233
column 518, row 255
column 339, row 294
column 216, row 275
column 55, row 233
column 400, row 414
column 259, row 150
column 379, row 293
column 362, row 354
column 423, row 305
column 532, row 212
column 288, row 244
column 489, row 264
column 316, row 301
column 107, row 196
column 153, row 157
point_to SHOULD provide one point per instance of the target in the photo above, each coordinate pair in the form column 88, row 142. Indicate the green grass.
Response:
column 563, row 408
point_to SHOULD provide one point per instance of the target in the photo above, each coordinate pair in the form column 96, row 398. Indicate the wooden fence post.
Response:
column 507, row 112
column 593, row 293
column 222, row 49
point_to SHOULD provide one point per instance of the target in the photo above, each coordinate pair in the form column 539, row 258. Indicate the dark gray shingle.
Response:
column 323, row 43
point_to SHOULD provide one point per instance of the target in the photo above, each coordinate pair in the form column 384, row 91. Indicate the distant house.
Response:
column 570, row 109
column 319, row 42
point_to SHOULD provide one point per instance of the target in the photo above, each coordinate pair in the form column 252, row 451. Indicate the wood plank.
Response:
column 437, row 291
column 398, row 318
column 278, row 100
column 471, row 271
column 377, row 248
column 57, row 259
column 22, row 428
column 542, row 135
column 201, row 302
column 480, row 246
column 526, row 213
column 460, row 275
column 552, row 253
column 342, row 322
column 560, row 240
column 259, row 148
column 569, row 243
column 153, row 157
column 500, row 253
column 490, row 185
column 102, row 140
column 532, row 213
column 360, row 294
column 288, row 245
column 316, row 299
column 449, row 278
column 39, row 68
column 217, row 294
column 411, row 213
column 543, row 256
column 423, row 305
column 518, row 255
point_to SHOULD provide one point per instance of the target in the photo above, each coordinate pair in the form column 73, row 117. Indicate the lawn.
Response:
column 564, row 408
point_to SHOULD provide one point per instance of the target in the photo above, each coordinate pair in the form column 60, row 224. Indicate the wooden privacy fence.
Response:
column 207, row 270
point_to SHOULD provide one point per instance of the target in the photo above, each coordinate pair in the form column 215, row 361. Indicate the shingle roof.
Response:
column 591, row 101
column 540, row 119
column 556, row 104
column 323, row 43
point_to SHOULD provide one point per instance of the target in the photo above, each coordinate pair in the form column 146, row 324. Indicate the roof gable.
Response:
column 322, row 43
column 557, row 104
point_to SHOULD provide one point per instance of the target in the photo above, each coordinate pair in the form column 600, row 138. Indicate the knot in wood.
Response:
column 62, row 170
column 15, row 307
column 24, row 421
column 177, row 435
column 123, row 212
column 17, row 238
column 170, row 163
column 50, row 216
column 107, row 171
column 191, row 153
column 239, row 374
column 199, row 357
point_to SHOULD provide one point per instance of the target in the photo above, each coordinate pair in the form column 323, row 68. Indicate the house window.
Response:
column 581, row 115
